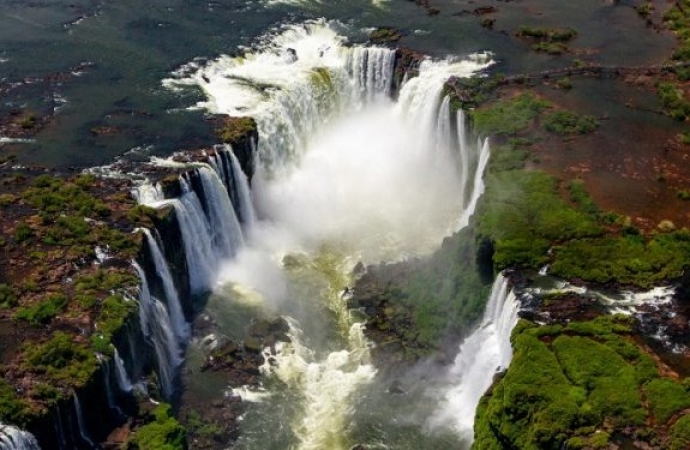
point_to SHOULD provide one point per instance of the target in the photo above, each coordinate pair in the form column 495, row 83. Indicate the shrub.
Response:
column 567, row 122
column 12, row 408
column 666, row 397
column 673, row 102
column 680, row 434
column 164, row 432
column 64, row 362
column 44, row 311
column 8, row 297
column 508, row 117
column 22, row 232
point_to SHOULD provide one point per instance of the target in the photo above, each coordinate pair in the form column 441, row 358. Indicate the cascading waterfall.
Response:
column 246, row 205
column 482, row 354
column 112, row 404
column 339, row 166
column 123, row 381
column 156, row 325
column 228, row 168
column 80, row 422
column 12, row 438
column 225, row 228
column 373, row 70
column 179, row 323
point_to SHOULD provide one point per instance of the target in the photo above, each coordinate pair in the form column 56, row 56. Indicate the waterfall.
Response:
column 59, row 429
column 228, row 168
column 180, row 325
column 197, row 241
column 226, row 234
column 156, row 324
column 372, row 68
column 477, row 185
column 121, row 376
column 339, row 166
column 12, row 438
column 80, row 422
column 482, row 354
column 148, row 194
column 246, row 205
column 112, row 404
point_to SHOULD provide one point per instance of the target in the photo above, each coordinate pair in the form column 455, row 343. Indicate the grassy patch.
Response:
column 629, row 259
column 508, row 117
column 163, row 432
column 44, row 311
column 680, row 434
column 568, row 122
column 673, row 101
column 666, row 397
column 576, row 384
column 61, row 360
column 524, row 216
column 12, row 408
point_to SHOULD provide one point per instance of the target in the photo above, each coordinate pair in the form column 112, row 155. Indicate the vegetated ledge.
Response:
column 67, row 290
column 68, row 297
column 528, row 220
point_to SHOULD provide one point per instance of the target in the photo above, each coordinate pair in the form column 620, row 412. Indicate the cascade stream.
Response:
column 344, row 174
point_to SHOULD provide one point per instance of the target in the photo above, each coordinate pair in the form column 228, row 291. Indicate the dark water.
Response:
column 133, row 45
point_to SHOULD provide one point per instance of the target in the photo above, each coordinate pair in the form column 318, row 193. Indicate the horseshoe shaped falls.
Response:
column 344, row 175
column 271, row 225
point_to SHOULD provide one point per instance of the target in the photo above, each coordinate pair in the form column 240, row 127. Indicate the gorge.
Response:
column 346, row 269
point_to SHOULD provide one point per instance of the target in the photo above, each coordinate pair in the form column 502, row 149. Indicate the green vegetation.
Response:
column 234, row 129
column 53, row 195
column 629, row 259
column 201, row 428
column 28, row 120
column 673, row 101
column 529, row 224
column 680, row 434
column 44, row 311
column 8, row 297
column 666, row 397
column 441, row 295
column 549, row 40
column 678, row 19
column 62, row 361
column 567, row 122
column 22, row 232
column 6, row 199
column 508, row 117
column 113, row 314
column 548, row 34
column 383, row 35
column 645, row 9
column 578, row 384
column 524, row 226
column 163, row 432
column 12, row 408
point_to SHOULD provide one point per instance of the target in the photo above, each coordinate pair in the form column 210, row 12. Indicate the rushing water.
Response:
column 344, row 175
column 12, row 438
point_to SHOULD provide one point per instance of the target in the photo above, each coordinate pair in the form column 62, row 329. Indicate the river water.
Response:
column 133, row 45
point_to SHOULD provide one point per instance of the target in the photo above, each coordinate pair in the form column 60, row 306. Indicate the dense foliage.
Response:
column 532, row 219
column 163, row 432
column 61, row 360
column 576, row 385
